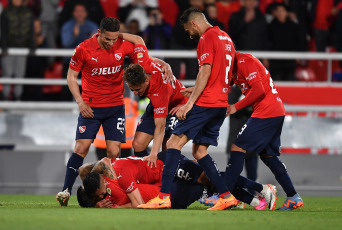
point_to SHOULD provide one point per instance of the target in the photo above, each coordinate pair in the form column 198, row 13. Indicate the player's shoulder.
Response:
column 244, row 59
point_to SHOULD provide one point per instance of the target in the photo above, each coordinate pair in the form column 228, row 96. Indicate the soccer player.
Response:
column 101, row 60
column 146, row 78
column 202, row 116
column 261, row 133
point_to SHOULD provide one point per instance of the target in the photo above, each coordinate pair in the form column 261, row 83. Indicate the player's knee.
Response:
column 237, row 148
column 113, row 153
column 81, row 150
column 138, row 146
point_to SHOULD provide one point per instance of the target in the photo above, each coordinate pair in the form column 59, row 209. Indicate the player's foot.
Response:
column 204, row 196
column 224, row 203
column 63, row 197
column 262, row 204
column 291, row 203
column 240, row 205
column 269, row 192
column 211, row 201
column 157, row 203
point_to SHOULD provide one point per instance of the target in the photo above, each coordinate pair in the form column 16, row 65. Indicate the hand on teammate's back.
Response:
column 183, row 110
column 168, row 74
column 187, row 92
column 85, row 110
column 151, row 160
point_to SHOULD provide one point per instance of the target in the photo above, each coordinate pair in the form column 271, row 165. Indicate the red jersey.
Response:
column 163, row 95
column 216, row 49
column 251, row 74
column 102, row 70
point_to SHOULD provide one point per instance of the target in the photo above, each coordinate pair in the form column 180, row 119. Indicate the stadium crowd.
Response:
column 264, row 25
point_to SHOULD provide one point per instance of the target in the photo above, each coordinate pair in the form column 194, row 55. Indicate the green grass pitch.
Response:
column 42, row 212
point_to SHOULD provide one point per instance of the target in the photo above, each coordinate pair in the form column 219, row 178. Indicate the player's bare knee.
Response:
column 138, row 146
column 237, row 149
column 113, row 153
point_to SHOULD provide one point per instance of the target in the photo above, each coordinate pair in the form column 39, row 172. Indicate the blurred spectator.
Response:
column 225, row 9
column 211, row 14
column 181, row 41
column 133, row 27
column 123, row 28
column 158, row 33
column 169, row 8
column 15, row 32
column 264, row 4
column 48, row 19
column 110, row 8
column 136, row 9
column 77, row 29
column 248, row 27
column 94, row 9
column 35, row 6
column 322, row 22
column 36, row 65
column 284, row 35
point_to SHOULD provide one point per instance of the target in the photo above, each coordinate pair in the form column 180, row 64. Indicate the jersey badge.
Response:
column 109, row 191
column 140, row 55
column 118, row 56
column 82, row 129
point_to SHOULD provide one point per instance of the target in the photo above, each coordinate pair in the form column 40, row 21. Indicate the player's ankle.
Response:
column 163, row 195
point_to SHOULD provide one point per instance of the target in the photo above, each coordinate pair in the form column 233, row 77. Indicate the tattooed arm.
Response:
column 85, row 169
column 104, row 167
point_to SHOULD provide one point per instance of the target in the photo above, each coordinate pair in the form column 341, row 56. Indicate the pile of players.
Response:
column 174, row 116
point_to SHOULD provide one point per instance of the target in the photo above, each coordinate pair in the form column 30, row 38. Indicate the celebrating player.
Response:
column 202, row 116
column 261, row 133
column 101, row 60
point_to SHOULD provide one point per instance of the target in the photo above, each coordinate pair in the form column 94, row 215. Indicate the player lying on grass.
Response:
column 114, row 183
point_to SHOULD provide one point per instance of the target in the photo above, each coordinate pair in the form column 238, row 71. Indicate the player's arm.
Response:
column 85, row 169
column 166, row 69
column 103, row 167
column 201, row 82
column 84, row 108
column 159, row 131
column 256, row 92
column 135, row 198
column 134, row 39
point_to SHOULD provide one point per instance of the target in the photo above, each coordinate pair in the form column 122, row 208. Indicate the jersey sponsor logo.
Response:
column 94, row 59
column 130, row 188
column 140, row 55
column 72, row 62
column 224, row 38
column 106, row 70
column 251, row 76
column 160, row 110
column 204, row 56
column 82, row 129
column 118, row 56
column 139, row 49
column 228, row 47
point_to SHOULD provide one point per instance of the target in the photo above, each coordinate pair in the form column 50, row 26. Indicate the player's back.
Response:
column 216, row 48
column 249, row 69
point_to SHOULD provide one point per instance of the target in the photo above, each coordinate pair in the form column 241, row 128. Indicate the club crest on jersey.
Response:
column 82, row 129
column 118, row 56
column 109, row 191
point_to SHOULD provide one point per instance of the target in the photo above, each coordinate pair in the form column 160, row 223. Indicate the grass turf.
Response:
column 42, row 212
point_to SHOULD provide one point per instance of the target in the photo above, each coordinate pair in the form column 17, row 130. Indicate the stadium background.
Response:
column 37, row 130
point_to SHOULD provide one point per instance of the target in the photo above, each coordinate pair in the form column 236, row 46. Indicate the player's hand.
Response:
column 174, row 110
column 104, row 204
column 230, row 110
column 187, row 91
column 183, row 110
column 151, row 160
column 168, row 75
column 85, row 110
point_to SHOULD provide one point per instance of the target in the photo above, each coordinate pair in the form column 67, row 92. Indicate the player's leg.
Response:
column 113, row 124
column 144, row 132
column 85, row 134
column 184, row 194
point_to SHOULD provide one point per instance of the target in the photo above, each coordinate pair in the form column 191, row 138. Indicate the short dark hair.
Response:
column 187, row 13
column 83, row 199
column 91, row 183
column 109, row 24
column 134, row 74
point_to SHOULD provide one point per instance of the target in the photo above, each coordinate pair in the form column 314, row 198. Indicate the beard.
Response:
column 195, row 37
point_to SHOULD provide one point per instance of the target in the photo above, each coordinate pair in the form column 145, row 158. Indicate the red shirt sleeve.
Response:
column 205, row 52
column 128, row 49
column 142, row 57
column 78, row 59
column 253, row 78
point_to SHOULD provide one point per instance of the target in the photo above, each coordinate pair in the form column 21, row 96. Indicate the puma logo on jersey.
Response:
column 242, row 61
column 95, row 59
column 106, row 70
